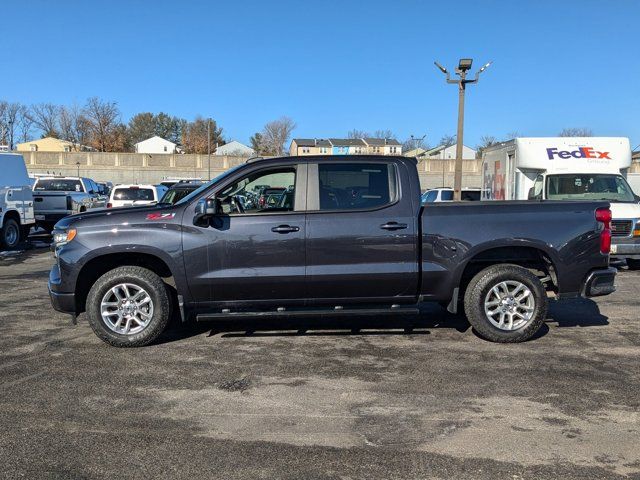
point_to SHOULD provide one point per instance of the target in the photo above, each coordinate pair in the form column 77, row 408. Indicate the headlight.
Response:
column 62, row 238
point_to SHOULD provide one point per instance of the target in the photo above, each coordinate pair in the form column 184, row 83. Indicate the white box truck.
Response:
column 569, row 168
column 16, row 200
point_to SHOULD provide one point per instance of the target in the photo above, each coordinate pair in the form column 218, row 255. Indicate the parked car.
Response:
column 16, row 200
column 170, row 182
column 135, row 195
column 55, row 197
column 446, row 195
column 178, row 191
column 328, row 253
column 105, row 188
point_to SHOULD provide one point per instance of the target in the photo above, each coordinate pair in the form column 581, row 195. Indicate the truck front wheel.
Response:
column 506, row 303
column 10, row 234
column 128, row 307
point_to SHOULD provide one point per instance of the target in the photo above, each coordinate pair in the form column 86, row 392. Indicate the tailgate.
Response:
column 49, row 201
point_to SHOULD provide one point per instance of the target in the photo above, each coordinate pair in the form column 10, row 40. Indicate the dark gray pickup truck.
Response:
column 341, row 236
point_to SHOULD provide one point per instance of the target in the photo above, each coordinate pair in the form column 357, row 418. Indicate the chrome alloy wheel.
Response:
column 509, row 305
column 126, row 309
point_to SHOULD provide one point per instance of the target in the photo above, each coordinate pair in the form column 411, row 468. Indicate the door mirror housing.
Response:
column 206, row 208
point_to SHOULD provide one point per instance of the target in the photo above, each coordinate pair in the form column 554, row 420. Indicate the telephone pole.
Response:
column 464, row 65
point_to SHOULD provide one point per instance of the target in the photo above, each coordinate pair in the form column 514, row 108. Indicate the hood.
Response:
column 110, row 215
column 625, row 210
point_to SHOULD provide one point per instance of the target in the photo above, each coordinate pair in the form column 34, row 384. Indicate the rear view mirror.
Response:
column 205, row 209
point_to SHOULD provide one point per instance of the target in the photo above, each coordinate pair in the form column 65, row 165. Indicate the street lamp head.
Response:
column 442, row 69
column 465, row 64
column 484, row 67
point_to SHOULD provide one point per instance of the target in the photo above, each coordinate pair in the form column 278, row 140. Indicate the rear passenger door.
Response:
column 361, row 233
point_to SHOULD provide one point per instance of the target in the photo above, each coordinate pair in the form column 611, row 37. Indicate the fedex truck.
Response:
column 569, row 168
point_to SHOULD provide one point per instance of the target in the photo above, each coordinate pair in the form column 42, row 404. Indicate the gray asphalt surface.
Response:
column 327, row 399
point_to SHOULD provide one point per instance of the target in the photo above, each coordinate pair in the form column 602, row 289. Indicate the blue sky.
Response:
column 333, row 66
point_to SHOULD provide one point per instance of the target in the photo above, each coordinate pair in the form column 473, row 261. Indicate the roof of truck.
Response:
column 336, row 158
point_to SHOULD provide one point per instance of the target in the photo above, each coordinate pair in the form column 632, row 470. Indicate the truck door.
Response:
column 361, row 232
column 253, row 252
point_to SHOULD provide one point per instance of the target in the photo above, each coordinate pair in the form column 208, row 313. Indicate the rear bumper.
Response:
column 51, row 217
column 600, row 282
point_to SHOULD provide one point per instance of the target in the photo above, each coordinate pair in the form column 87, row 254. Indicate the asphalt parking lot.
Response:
column 379, row 398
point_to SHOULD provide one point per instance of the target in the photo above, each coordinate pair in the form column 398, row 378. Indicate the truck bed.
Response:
column 457, row 235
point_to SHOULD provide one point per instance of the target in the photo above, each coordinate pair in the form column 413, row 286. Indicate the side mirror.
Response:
column 205, row 209
column 532, row 195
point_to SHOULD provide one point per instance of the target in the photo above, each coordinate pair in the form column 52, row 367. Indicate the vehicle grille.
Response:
column 621, row 228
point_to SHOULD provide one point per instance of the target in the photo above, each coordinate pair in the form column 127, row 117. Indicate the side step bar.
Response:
column 283, row 313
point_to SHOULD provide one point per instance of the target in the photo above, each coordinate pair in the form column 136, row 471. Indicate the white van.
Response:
column 569, row 168
column 135, row 195
column 16, row 200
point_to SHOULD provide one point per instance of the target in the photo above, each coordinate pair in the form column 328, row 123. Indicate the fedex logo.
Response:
column 582, row 152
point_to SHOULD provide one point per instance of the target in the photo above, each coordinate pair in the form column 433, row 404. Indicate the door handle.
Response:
column 393, row 226
column 285, row 229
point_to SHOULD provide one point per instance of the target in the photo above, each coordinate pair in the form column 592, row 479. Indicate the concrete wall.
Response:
column 145, row 168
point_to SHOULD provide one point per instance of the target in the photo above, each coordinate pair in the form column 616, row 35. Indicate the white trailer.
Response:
column 569, row 168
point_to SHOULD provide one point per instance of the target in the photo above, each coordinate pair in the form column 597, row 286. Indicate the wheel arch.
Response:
column 100, row 264
column 13, row 215
column 537, row 258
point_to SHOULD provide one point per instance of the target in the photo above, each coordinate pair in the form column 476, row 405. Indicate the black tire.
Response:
column 633, row 264
column 141, row 277
column 10, row 234
column 478, row 289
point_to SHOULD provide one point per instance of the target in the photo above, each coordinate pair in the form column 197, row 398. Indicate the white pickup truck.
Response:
column 16, row 200
column 57, row 197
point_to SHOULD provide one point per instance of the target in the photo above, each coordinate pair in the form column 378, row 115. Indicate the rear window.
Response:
column 173, row 196
column 351, row 186
column 133, row 194
column 58, row 185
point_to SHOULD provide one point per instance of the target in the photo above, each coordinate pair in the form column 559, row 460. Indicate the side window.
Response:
column 264, row 191
column 352, row 186
column 446, row 195
column 535, row 193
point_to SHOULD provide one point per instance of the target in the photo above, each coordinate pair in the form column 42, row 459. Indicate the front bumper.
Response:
column 600, row 282
column 620, row 248
column 60, row 301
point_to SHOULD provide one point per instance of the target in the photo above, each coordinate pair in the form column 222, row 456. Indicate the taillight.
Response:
column 603, row 215
column 109, row 205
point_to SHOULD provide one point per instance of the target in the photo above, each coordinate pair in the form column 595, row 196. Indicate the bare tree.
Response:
column 9, row 118
column 103, row 118
column 25, row 124
column 448, row 140
column 194, row 135
column 276, row 133
column 75, row 127
column 576, row 132
column 355, row 133
column 45, row 117
column 513, row 134
column 383, row 134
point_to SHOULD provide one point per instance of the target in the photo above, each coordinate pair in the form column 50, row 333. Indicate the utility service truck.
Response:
column 569, row 168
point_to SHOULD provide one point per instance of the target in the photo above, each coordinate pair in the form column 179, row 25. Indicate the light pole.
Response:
column 78, row 169
column 209, row 146
column 464, row 65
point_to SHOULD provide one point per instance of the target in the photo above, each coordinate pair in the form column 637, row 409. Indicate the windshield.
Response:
column 133, row 194
column 582, row 186
column 59, row 185
column 197, row 192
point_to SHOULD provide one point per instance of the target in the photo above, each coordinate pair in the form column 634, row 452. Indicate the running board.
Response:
column 283, row 313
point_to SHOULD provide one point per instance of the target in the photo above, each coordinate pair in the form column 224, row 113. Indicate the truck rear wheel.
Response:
column 10, row 234
column 506, row 303
column 128, row 307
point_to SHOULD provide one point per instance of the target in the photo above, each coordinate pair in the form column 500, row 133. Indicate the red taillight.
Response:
column 109, row 205
column 603, row 215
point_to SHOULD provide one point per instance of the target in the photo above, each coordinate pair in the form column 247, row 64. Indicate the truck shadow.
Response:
column 573, row 313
